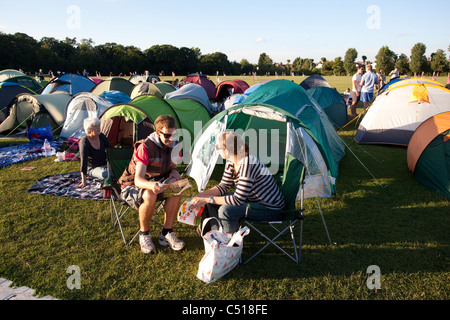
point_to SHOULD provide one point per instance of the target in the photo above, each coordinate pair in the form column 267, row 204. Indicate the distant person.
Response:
column 40, row 75
column 394, row 73
column 368, row 82
column 381, row 79
column 93, row 152
column 356, row 90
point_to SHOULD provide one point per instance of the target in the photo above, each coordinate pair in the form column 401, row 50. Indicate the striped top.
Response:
column 253, row 183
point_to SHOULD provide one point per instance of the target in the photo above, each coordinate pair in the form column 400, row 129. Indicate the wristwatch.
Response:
column 211, row 199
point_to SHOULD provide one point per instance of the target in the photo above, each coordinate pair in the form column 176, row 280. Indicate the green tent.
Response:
column 114, row 83
column 332, row 103
column 31, row 111
column 127, row 123
column 292, row 98
column 428, row 154
column 272, row 134
column 159, row 89
column 28, row 82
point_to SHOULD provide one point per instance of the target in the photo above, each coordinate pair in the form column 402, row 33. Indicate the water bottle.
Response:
column 46, row 148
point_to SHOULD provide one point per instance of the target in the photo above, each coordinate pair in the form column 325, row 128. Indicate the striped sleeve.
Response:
column 227, row 179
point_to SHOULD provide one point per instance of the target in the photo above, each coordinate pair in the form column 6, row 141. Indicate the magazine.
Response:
column 176, row 188
column 188, row 215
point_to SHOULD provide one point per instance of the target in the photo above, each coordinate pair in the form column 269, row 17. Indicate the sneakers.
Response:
column 147, row 246
column 171, row 240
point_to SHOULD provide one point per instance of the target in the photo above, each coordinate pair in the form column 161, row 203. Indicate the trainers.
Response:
column 171, row 240
column 147, row 246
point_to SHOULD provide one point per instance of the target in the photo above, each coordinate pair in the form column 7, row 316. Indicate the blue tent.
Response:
column 115, row 96
column 71, row 83
column 332, row 103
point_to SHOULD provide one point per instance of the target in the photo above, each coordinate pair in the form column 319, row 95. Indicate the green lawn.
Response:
column 380, row 216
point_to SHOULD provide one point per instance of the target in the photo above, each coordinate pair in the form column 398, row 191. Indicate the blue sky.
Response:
column 283, row 29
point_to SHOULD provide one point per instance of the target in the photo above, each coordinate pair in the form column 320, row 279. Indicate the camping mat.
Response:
column 23, row 152
column 63, row 185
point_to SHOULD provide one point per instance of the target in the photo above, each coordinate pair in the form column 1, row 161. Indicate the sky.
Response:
column 283, row 29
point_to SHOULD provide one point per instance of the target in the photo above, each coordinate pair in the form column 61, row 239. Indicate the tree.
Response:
column 338, row 66
column 385, row 59
column 246, row 67
column 265, row 64
column 349, row 61
column 439, row 62
column 418, row 59
column 213, row 62
column 402, row 64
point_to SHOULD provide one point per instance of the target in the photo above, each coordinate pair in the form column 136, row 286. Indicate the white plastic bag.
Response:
column 222, row 252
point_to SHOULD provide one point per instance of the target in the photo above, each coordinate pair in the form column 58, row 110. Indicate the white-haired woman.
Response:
column 93, row 152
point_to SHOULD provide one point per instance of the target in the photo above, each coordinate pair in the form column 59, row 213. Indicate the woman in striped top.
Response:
column 253, row 184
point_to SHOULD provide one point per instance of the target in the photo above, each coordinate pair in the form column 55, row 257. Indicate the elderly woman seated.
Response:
column 93, row 152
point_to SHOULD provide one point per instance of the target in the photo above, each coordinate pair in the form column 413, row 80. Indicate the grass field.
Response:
column 380, row 216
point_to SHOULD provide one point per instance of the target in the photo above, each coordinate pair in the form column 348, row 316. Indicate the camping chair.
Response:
column 118, row 160
column 289, row 183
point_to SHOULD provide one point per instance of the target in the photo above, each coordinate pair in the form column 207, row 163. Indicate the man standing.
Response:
column 368, row 82
column 356, row 89
column 141, row 183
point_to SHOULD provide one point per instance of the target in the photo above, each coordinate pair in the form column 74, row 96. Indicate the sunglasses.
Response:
column 167, row 135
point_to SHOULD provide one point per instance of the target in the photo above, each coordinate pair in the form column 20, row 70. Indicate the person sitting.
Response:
column 253, row 184
column 141, row 188
column 93, row 152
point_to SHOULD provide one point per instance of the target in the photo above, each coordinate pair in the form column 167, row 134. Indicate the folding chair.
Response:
column 118, row 159
column 290, row 183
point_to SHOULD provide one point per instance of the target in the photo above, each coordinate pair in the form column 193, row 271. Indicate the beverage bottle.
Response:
column 46, row 148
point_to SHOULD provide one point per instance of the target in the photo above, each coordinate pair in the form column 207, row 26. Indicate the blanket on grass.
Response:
column 63, row 185
column 23, row 152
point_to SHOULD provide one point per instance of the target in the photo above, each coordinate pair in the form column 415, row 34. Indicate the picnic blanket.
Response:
column 24, row 152
column 63, row 185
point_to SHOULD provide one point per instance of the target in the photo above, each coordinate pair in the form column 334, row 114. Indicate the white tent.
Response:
column 81, row 106
column 395, row 115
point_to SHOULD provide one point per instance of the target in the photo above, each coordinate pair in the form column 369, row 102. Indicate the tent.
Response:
column 315, row 80
column 114, row 83
column 272, row 134
column 115, row 96
column 395, row 115
column 192, row 91
column 428, row 154
column 8, row 91
column 70, row 82
column 81, row 106
column 31, row 111
column 402, row 81
column 159, row 89
column 9, row 73
column 332, row 103
column 235, row 86
column 292, row 98
column 135, row 79
column 128, row 122
column 202, row 80
column 28, row 82
column 254, row 87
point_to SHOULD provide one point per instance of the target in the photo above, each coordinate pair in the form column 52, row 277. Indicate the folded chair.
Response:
column 290, row 182
column 118, row 159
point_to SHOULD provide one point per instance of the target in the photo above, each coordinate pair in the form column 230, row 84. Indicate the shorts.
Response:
column 132, row 195
column 367, row 96
column 355, row 98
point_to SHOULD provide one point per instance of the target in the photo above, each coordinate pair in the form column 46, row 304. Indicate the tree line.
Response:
column 20, row 51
